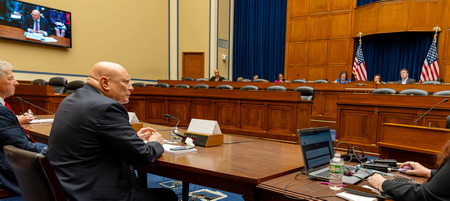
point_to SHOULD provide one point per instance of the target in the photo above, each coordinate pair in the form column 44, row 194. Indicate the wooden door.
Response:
column 194, row 64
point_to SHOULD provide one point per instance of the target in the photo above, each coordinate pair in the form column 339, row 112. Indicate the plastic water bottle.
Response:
column 30, row 112
column 336, row 172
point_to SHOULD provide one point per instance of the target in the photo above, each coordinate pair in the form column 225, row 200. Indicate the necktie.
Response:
column 28, row 134
column 36, row 25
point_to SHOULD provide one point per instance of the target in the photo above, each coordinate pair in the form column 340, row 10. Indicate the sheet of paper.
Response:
column 353, row 197
column 37, row 121
column 202, row 126
column 168, row 146
column 49, row 39
column 133, row 118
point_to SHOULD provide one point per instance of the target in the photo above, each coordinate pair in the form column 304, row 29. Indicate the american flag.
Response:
column 430, row 69
column 359, row 65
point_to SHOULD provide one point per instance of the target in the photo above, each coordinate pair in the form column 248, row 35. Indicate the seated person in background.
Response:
column 239, row 78
column 216, row 76
column 37, row 24
column 343, row 78
column 58, row 20
column 436, row 188
column 440, row 80
column 405, row 79
column 255, row 77
column 280, row 78
column 377, row 79
column 11, row 132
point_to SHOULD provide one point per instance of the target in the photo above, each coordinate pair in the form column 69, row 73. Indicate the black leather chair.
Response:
column 244, row 80
column 39, row 82
column 299, row 81
column 384, row 91
column 201, row 86
column 187, row 78
column 161, row 85
column 276, row 88
column 320, row 81
column 224, row 86
column 249, row 88
column 306, row 93
column 202, row 79
column 36, row 177
column 431, row 82
column 260, row 80
column 58, row 84
column 442, row 93
column 416, row 92
column 139, row 84
column 183, row 86
column 74, row 85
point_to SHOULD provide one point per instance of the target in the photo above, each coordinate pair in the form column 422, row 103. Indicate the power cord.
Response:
column 306, row 198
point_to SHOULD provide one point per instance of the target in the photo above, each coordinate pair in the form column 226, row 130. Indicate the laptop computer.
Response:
column 317, row 151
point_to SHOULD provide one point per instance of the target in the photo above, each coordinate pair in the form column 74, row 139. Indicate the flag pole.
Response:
column 360, row 34
column 436, row 29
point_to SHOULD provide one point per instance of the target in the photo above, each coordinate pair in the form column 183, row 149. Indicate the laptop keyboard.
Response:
column 325, row 174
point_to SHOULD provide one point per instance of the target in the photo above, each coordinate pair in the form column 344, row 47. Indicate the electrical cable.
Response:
column 308, row 197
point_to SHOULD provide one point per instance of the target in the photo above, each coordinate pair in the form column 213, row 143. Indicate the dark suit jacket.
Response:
column 92, row 146
column 408, row 81
column 12, row 133
column 43, row 24
column 435, row 189
column 213, row 78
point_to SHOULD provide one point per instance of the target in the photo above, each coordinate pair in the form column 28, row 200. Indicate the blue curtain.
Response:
column 387, row 54
column 364, row 2
column 259, row 38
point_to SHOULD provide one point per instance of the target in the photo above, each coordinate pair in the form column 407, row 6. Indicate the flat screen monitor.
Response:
column 34, row 23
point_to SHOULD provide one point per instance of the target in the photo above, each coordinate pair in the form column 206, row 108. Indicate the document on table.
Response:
column 37, row 121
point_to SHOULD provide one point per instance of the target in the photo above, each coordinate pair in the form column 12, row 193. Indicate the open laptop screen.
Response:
column 317, row 148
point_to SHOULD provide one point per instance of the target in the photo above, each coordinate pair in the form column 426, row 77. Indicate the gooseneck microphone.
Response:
column 19, row 98
column 175, row 129
column 443, row 101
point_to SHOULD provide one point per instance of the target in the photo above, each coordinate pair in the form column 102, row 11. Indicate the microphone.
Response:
column 34, row 105
column 443, row 101
column 175, row 129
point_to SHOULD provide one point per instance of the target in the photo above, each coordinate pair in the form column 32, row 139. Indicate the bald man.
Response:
column 35, row 23
column 216, row 76
column 92, row 146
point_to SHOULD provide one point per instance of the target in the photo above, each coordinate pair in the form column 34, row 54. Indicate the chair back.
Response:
column 299, row 81
column 201, row 86
column 139, row 84
column 58, row 84
column 74, row 85
column 260, row 80
column 442, row 93
column 417, row 92
column 276, row 88
column 202, row 79
column 306, row 93
column 224, row 86
column 320, row 81
column 183, row 86
column 249, row 88
column 244, row 80
column 384, row 91
column 36, row 177
column 431, row 82
column 39, row 82
column 161, row 85
column 187, row 78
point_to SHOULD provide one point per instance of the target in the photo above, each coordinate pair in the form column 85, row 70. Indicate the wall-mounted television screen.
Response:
column 35, row 23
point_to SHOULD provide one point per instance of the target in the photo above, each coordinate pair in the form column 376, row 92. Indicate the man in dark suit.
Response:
column 11, row 132
column 34, row 23
column 216, row 76
column 92, row 145
column 405, row 79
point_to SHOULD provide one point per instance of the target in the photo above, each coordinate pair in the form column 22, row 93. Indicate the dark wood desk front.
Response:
column 18, row 34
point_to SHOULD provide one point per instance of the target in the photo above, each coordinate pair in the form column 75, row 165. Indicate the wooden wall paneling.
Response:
column 137, row 105
column 281, row 119
column 445, row 70
column 315, row 72
column 296, row 53
column 155, row 110
column 425, row 14
column 319, row 26
column 227, row 114
column 445, row 44
column 295, row 72
column 333, row 71
column 298, row 29
column 366, row 19
column 304, row 115
column 179, row 107
column 319, row 6
column 338, row 5
column 19, row 106
column 298, row 7
column 338, row 51
column 202, row 108
column 329, row 105
column 434, row 121
column 340, row 24
column 253, row 117
column 393, row 16
column 316, row 52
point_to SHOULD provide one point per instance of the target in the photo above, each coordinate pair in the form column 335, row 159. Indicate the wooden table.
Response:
column 236, row 168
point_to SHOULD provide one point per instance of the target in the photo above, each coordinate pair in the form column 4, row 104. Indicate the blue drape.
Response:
column 259, row 38
column 387, row 54
column 364, row 2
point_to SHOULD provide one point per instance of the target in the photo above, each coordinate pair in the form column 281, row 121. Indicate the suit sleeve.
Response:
column 115, row 129
column 435, row 189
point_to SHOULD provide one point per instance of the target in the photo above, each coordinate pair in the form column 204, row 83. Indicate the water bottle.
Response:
column 30, row 112
column 336, row 172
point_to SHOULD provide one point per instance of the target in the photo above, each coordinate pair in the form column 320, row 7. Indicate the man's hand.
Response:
column 149, row 134
column 25, row 118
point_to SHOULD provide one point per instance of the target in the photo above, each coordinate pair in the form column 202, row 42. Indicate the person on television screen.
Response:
column 14, row 10
column 34, row 23
column 58, row 20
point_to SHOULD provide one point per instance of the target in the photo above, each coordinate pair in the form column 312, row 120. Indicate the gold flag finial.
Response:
column 360, row 34
column 436, row 29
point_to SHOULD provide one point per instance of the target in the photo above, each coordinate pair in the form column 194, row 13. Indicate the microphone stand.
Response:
column 19, row 98
column 175, row 134
column 443, row 101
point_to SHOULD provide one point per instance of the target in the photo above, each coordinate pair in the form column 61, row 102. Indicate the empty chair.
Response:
column 74, row 85
column 36, row 177
column 187, row 78
column 384, row 91
column 139, row 84
column 276, row 88
column 442, row 93
column 260, row 80
column 320, row 81
column 201, row 86
column 306, row 93
column 182, row 86
column 431, row 82
column 39, row 82
column 224, row 86
column 58, row 84
column 249, row 88
column 299, row 81
column 417, row 92
column 244, row 80
column 161, row 85
column 202, row 79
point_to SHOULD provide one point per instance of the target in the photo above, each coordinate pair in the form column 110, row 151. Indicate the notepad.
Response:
column 353, row 197
column 167, row 148
column 38, row 121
